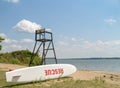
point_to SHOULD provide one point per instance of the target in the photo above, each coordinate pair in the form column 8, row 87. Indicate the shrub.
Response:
column 19, row 57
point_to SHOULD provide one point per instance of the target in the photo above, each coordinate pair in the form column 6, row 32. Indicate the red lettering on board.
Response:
column 54, row 71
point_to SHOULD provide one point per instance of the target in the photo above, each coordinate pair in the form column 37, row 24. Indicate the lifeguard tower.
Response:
column 43, row 43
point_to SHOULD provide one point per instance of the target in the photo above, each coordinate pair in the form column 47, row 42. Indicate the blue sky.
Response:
column 81, row 28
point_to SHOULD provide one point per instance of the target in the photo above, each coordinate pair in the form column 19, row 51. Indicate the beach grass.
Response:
column 58, row 83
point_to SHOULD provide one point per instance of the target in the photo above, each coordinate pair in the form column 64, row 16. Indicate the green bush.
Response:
column 2, row 60
column 37, row 61
column 15, row 61
column 19, row 57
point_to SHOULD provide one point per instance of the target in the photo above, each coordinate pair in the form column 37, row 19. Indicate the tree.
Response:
column 1, row 39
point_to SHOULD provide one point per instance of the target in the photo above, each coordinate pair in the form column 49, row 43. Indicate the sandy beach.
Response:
column 109, row 77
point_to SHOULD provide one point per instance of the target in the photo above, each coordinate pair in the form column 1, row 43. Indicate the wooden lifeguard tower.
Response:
column 43, row 43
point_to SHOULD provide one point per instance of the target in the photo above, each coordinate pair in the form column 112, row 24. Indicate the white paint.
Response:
column 42, row 72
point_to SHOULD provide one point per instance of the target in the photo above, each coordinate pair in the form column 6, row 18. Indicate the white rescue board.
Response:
column 37, row 73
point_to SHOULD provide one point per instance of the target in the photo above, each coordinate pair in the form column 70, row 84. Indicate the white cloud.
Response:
column 27, row 41
column 13, row 1
column 70, row 47
column 73, row 39
column 62, row 43
column 11, row 47
column 110, row 21
column 7, row 40
column 48, row 29
column 12, row 44
column 27, row 26
column 2, row 35
column 16, row 47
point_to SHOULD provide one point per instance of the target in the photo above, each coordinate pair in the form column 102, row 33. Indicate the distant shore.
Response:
column 91, row 58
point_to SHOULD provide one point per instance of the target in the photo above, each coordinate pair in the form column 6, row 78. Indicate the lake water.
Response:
column 109, row 65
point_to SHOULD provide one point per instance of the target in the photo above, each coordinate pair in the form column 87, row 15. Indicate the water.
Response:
column 109, row 65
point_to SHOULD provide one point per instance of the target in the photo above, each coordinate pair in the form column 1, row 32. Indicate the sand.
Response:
column 109, row 77
column 7, row 67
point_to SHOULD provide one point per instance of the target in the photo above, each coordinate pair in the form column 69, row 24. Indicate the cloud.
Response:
column 72, row 47
column 2, row 35
column 12, row 45
column 73, row 39
column 27, row 26
column 7, row 40
column 110, row 21
column 27, row 41
column 13, row 1
column 49, row 30
column 16, row 47
column 63, row 43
